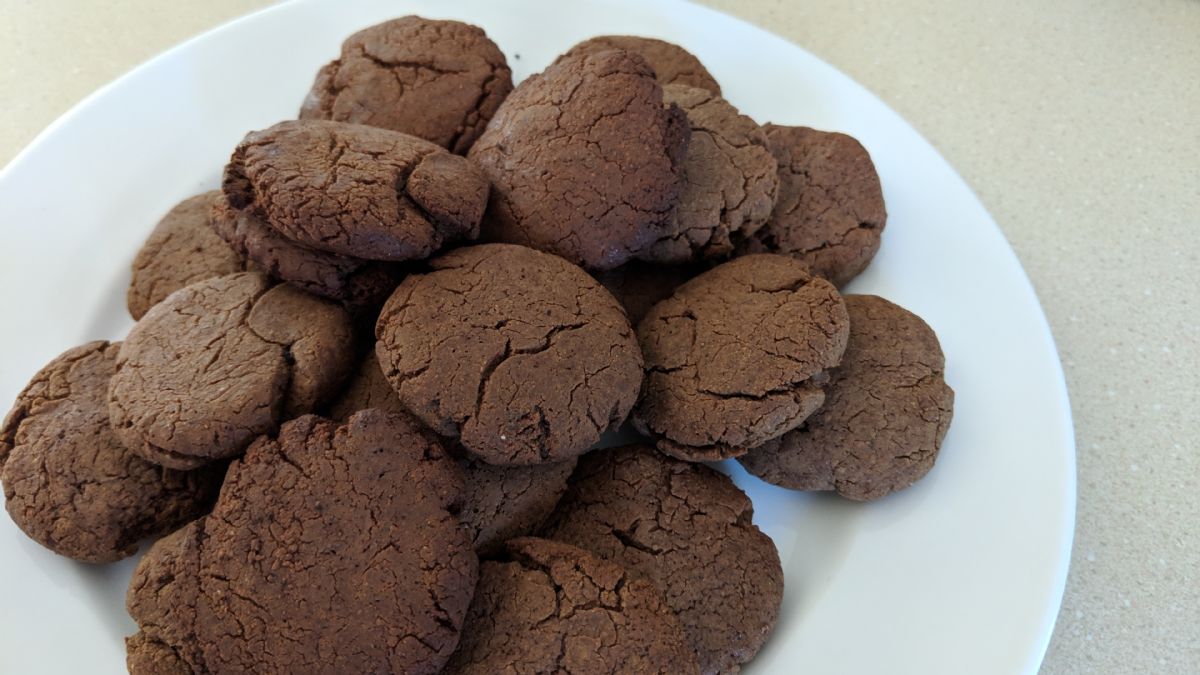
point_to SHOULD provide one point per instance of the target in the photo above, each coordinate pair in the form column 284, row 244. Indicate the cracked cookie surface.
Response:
column 585, row 160
column 221, row 361
column 437, row 80
column 672, row 64
column 830, row 211
column 355, row 190
column 522, row 356
column 689, row 530
column 729, row 180
column 547, row 607
column 332, row 549
column 69, row 482
column 887, row 409
column 182, row 249
column 736, row 357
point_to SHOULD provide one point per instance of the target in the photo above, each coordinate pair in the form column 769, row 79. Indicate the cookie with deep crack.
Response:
column 887, row 408
column 585, row 160
column 689, row 530
column 548, row 607
column 69, row 482
column 729, row 180
column 830, row 212
column 437, row 80
column 355, row 190
column 737, row 357
column 639, row 285
column 332, row 549
column 181, row 250
column 221, row 361
column 519, row 354
column 672, row 64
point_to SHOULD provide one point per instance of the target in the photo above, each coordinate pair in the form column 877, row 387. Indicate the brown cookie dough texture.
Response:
column 499, row 502
column 222, row 361
column 737, row 356
column 671, row 63
column 517, row 353
column 638, row 286
column 356, row 282
column 688, row 529
column 585, row 160
column 729, row 180
column 887, row 408
column 332, row 549
column 553, row 608
column 437, row 80
column 181, row 250
column 356, row 190
column 829, row 212
column 70, row 484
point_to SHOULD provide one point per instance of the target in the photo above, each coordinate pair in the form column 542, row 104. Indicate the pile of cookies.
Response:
column 362, row 401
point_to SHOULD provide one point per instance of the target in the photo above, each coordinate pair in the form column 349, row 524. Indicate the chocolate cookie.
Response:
column 671, row 63
column 332, row 549
column 688, row 529
column 222, row 361
column 181, row 250
column 517, row 353
column 499, row 502
column 736, row 357
column 70, row 484
column 585, row 160
column 638, row 286
column 553, row 608
column 437, row 80
column 729, row 180
column 887, row 408
column 829, row 212
column 355, row 190
column 356, row 282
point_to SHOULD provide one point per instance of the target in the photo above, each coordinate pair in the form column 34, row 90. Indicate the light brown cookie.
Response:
column 672, row 64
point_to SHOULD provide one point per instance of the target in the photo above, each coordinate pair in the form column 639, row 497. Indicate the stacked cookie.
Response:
column 370, row 375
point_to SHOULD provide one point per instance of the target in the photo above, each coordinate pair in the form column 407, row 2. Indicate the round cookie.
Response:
column 221, row 361
column 585, row 160
column 737, row 356
column 553, row 608
column 729, row 180
column 672, row 64
column 887, row 409
column 638, row 285
column 517, row 353
column 181, row 250
column 688, row 529
column 355, row 190
column 356, row 282
column 70, row 484
column 830, row 211
column 437, row 80
column 332, row 549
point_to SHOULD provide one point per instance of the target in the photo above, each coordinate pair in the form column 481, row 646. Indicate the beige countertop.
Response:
column 1078, row 124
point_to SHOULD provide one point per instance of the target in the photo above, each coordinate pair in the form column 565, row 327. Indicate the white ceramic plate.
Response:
column 962, row 573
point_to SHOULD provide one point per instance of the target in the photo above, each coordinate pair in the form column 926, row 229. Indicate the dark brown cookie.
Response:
column 356, row 282
column 332, row 549
column 829, row 212
column 355, row 190
column 585, row 160
column 222, row 361
column 181, row 250
column 887, row 408
column 437, row 80
column 517, row 353
column 729, row 180
column 638, row 285
column 736, row 357
column 671, row 63
column 70, row 484
column 689, row 530
column 553, row 608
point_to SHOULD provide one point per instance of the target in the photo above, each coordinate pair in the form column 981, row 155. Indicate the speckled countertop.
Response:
column 1077, row 122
